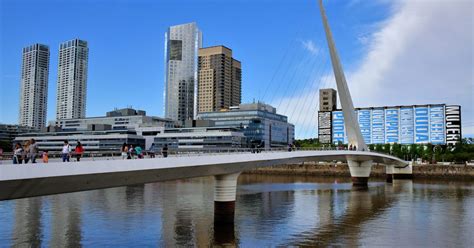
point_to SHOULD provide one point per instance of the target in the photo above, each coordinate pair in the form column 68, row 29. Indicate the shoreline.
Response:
column 460, row 172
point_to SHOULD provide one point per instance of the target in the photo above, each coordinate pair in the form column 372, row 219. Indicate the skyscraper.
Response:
column 34, row 86
column 72, row 80
column 181, row 49
column 219, row 79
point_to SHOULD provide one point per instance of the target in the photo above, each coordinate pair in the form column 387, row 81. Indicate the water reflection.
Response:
column 270, row 211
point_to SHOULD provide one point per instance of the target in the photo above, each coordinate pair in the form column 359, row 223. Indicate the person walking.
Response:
column 66, row 151
column 45, row 157
column 26, row 151
column 17, row 154
column 138, row 151
column 79, row 151
column 131, row 152
column 33, row 151
column 164, row 151
column 124, row 151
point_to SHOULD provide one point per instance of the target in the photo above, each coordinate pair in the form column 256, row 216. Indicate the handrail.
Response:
column 185, row 152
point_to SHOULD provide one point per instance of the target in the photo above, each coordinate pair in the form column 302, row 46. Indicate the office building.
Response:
column 327, row 99
column 9, row 132
column 101, row 139
column 181, row 49
column 438, row 124
column 34, row 86
column 260, row 123
column 120, row 119
column 219, row 79
column 72, row 80
column 200, row 138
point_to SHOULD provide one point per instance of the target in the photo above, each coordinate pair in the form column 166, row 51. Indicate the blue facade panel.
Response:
column 365, row 125
column 392, row 120
column 378, row 129
column 422, row 130
column 407, row 128
column 338, row 130
column 437, row 125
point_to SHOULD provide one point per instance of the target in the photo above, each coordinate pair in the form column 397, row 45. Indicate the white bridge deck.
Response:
column 27, row 180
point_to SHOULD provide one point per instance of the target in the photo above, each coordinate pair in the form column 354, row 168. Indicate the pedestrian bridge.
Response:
column 28, row 180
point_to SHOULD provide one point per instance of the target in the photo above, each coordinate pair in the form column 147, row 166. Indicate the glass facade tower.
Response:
column 181, row 52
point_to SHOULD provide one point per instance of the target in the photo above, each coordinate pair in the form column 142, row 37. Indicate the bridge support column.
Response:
column 403, row 173
column 360, row 172
column 389, row 173
column 225, row 190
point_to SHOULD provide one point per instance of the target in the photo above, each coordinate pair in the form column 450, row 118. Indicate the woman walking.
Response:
column 79, row 151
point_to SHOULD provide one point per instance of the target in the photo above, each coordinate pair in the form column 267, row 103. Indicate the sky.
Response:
column 398, row 52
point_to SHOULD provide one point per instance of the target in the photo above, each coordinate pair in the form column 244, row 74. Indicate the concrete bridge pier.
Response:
column 360, row 172
column 225, row 190
column 403, row 172
column 389, row 172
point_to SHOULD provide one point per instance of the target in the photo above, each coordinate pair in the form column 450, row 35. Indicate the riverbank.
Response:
column 331, row 169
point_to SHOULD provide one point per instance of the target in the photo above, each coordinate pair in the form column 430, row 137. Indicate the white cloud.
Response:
column 423, row 53
column 310, row 46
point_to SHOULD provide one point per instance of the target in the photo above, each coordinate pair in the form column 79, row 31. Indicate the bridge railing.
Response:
column 111, row 155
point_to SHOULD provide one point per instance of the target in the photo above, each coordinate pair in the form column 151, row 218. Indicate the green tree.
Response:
column 371, row 147
column 412, row 151
column 378, row 148
column 386, row 148
column 397, row 150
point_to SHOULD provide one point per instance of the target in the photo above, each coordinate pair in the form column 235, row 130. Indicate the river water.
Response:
column 270, row 211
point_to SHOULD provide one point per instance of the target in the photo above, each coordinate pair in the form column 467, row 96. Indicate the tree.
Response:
column 371, row 147
column 386, row 148
column 378, row 148
column 397, row 150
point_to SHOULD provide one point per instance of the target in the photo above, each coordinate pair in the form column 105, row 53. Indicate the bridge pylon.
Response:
column 360, row 170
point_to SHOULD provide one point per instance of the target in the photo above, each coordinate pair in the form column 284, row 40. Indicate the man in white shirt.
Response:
column 66, row 151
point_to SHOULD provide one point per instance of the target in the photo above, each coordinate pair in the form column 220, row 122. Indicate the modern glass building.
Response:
column 414, row 124
column 181, row 54
column 200, row 138
column 260, row 123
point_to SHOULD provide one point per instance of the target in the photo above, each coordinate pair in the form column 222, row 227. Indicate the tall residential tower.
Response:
column 72, row 80
column 34, row 86
column 181, row 49
column 219, row 79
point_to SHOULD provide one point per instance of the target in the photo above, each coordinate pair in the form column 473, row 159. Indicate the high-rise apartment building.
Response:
column 219, row 79
column 34, row 86
column 72, row 80
column 181, row 49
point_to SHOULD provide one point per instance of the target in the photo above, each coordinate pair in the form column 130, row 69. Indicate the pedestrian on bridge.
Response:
column 17, row 154
column 33, row 151
column 124, row 151
column 66, row 151
column 138, row 150
column 79, row 151
column 26, row 151
column 164, row 151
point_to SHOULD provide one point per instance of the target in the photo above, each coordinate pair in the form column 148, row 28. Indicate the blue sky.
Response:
column 280, row 44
